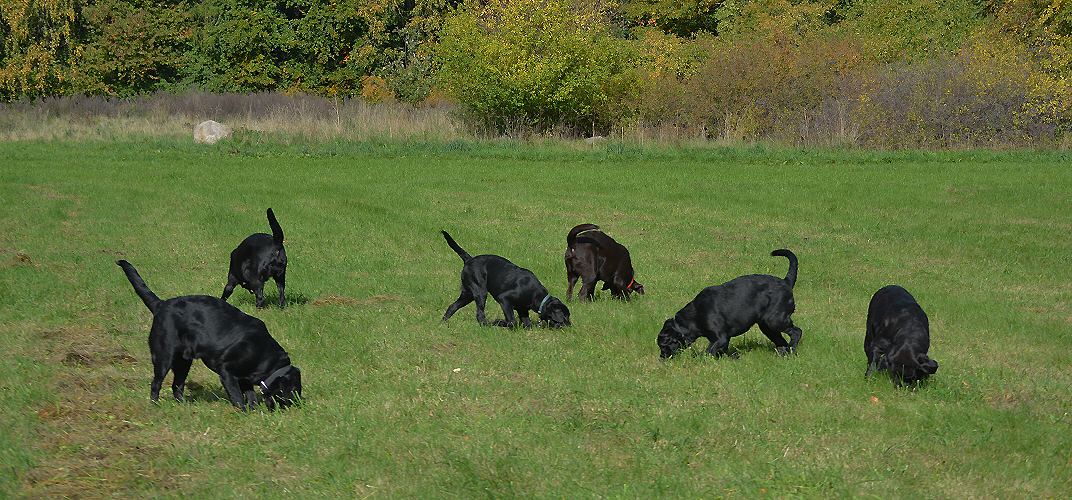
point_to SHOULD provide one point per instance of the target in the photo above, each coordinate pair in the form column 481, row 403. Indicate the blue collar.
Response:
column 543, row 303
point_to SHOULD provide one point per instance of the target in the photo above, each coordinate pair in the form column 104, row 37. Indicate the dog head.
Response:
column 671, row 339
column 909, row 369
column 634, row 286
column 555, row 313
column 921, row 368
column 283, row 387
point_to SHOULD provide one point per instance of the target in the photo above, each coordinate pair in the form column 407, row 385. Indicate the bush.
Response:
column 990, row 95
column 531, row 65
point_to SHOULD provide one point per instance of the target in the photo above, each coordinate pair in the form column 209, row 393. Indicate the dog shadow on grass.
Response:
column 271, row 300
column 197, row 392
column 736, row 348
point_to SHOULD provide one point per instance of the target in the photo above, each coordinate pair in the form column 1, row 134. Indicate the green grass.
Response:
column 400, row 405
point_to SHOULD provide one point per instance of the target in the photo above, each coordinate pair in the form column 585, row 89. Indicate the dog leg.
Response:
column 871, row 367
column 481, row 301
column 280, row 283
column 463, row 300
column 775, row 336
column 234, row 392
column 525, row 320
column 232, row 282
column 795, row 334
column 159, row 372
column 588, row 287
column 180, row 369
column 718, row 346
column 508, row 314
column 161, row 366
column 571, row 279
column 251, row 398
column 258, row 290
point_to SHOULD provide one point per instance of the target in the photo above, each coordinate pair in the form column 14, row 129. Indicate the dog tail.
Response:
column 277, row 232
column 461, row 253
column 143, row 291
column 791, row 276
column 571, row 238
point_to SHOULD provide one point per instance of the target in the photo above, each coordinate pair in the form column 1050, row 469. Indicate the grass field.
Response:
column 401, row 405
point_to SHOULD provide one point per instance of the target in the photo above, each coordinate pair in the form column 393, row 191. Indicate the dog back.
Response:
column 897, row 336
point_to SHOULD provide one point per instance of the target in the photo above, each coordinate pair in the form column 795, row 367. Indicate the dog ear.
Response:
column 285, row 390
column 670, row 339
column 927, row 365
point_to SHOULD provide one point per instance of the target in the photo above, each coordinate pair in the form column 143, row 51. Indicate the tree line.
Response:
column 926, row 71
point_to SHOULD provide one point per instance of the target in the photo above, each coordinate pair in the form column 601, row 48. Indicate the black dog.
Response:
column 257, row 258
column 233, row 344
column 594, row 256
column 730, row 309
column 898, row 336
column 513, row 287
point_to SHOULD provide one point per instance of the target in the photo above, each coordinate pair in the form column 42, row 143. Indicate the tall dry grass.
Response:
column 285, row 116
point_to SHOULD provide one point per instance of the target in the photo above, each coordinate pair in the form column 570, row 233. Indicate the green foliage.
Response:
column 899, row 30
column 677, row 17
column 39, row 37
column 531, row 64
column 133, row 47
column 243, row 46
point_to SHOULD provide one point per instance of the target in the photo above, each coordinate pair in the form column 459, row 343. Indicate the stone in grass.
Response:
column 208, row 132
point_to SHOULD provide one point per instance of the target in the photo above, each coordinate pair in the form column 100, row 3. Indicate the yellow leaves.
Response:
column 38, row 44
column 530, row 61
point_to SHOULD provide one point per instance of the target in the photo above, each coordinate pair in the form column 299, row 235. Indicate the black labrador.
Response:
column 593, row 256
column 515, row 288
column 233, row 344
column 898, row 336
column 730, row 309
column 257, row 258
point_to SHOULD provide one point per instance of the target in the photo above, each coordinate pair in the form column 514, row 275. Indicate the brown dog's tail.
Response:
column 791, row 276
column 140, row 288
column 457, row 249
column 571, row 238
column 277, row 232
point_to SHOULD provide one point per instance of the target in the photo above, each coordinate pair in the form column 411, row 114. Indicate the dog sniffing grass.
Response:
column 979, row 238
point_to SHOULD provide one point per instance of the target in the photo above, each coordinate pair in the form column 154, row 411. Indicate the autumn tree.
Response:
column 39, row 37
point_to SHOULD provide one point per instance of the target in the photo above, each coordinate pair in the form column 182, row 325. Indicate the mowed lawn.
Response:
column 401, row 405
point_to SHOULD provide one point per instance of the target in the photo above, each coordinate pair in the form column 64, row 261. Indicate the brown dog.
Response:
column 593, row 256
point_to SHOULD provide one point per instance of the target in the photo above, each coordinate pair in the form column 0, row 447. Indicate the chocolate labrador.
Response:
column 593, row 256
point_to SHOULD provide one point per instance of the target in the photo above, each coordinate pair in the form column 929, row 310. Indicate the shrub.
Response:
column 531, row 65
column 991, row 94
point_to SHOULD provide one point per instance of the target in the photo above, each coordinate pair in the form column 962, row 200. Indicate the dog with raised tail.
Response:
column 723, row 311
column 257, row 258
column 231, row 343
column 515, row 288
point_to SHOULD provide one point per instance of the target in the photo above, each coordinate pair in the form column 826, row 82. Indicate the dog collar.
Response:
column 542, row 303
column 630, row 285
column 271, row 378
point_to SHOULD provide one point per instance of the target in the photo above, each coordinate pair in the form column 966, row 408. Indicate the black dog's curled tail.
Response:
column 791, row 276
column 571, row 238
column 147, row 296
column 457, row 249
column 277, row 232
